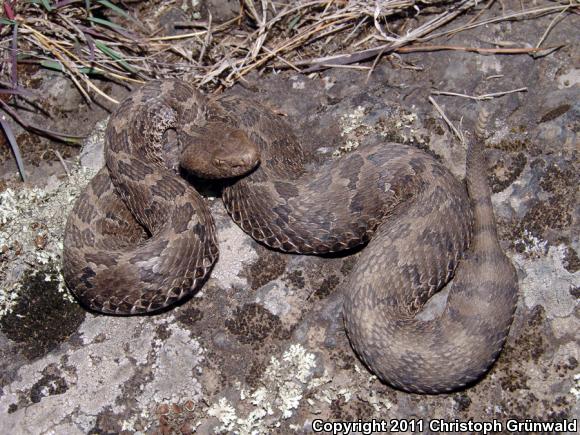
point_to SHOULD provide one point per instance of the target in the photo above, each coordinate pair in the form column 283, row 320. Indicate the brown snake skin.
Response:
column 140, row 238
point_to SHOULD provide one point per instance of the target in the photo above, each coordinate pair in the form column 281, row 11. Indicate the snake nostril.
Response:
column 248, row 161
column 251, row 157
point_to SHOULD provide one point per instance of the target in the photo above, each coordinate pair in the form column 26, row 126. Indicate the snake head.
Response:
column 219, row 151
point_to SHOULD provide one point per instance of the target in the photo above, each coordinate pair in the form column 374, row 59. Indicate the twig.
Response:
column 479, row 50
column 284, row 46
column 363, row 55
column 359, row 67
column 374, row 65
column 449, row 123
column 59, row 157
column 480, row 97
column 281, row 59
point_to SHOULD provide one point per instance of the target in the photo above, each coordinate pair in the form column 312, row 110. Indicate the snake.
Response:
column 140, row 237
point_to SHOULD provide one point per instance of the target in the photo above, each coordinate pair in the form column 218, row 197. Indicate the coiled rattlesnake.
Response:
column 140, row 238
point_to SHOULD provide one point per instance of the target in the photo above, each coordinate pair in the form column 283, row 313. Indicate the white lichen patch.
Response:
column 406, row 120
column 547, row 282
column 379, row 403
column 92, row 155
column 285, row 382
column 533, row 247
column 121, row 366
column 235, row 249
column 298, row 358
column 569, row 79
column 344, row 387
column 393, row 124
column 575, row 390
column 225, row 413
column 31, row 229
column 275, row 297
column 403, row 125
column 298, row 85
column 178, row 355
column 94, row 375
column 351, row 128
column 329, row 82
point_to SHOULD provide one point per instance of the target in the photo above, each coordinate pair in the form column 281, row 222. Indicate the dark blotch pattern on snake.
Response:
column 140, row 238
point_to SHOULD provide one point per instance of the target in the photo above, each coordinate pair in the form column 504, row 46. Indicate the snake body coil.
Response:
column 140, row 238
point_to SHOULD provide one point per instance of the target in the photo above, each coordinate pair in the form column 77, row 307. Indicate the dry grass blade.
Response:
column 528, row 13
column 551, row 26
column 56, row 50
column 424, row 29
column 265, row 34
column 206, row 41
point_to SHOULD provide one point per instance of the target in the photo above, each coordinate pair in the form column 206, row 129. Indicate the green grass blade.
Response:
column 46, row 5
column 294, row 22
column 116, row 9
column 115, row 56
column 7, row 21
column 57, row 66
column 52, row 64
column 105, row 23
